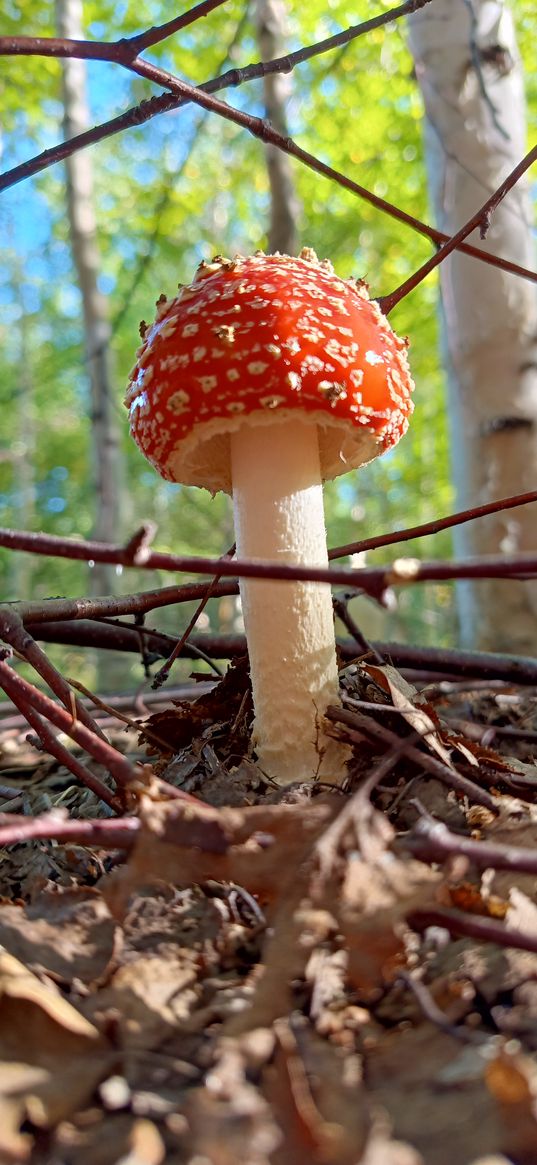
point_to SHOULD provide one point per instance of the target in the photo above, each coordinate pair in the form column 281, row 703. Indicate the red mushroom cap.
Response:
column 255, row 339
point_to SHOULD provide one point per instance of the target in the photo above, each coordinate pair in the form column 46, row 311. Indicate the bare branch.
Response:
column 470, row 925
column 116, row 834
column 432, row 841
column 356, row 725
column 120, row 52
column 433, row 527
column 143, row 112
column 481, row 219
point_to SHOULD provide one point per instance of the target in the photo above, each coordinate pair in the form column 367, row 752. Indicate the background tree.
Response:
column 109, row 516
column 470, row 72
column 179, row 188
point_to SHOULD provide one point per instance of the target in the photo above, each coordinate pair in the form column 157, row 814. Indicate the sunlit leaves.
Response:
column 183, row 186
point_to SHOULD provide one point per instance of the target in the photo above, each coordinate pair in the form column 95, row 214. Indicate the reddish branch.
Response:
column 162, row 675
column 472, row 926
column 372, row 580
column 181, row 93
column 137, row 553
column 52, row 745
column 119, row 52
column 26, row 696
column 432, row 841
column 444, row 661
column 433, row 527
column 355, row 726
column 13, row 632
column 116, row 834
column 481, row 219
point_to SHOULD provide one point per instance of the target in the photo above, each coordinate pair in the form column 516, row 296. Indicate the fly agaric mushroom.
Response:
column 265, row 376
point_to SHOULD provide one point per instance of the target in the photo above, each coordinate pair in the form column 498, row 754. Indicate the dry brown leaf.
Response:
column 260, row 847
column 466, row 896
column 146, row 1145
column 512, row 1081
column 229, row 1120
column 406, row 699
column 66, row 933
column 375, row 901
column 52, row 1056
column 317, row 1099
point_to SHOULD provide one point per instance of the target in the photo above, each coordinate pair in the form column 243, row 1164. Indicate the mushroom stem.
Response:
column 278, row 510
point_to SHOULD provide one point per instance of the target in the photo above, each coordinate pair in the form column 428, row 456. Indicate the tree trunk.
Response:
column 284, row 205
column 468, row 67
column 84, row 244
column 25, row 455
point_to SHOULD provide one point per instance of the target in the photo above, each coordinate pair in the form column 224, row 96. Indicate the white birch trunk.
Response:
column 469, row 70
column 83, row 234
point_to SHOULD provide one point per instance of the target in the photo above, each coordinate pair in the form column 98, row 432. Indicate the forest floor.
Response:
column 278, row 977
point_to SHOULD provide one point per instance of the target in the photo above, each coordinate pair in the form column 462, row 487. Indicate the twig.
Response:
column 471, row 926
column 341, row 610
column 480, row 219
column 119, row 833
column 433, row 527
column 120, row 52
column 433, row 1012
column 480, row 665
column 432, row 841
column 163, row 673
column 125, row 555
column 356, row 725
column 13, row 632
column 371, row 579
column 124, row 773
column 356, row 813
column 141, row 113
column 54, row 747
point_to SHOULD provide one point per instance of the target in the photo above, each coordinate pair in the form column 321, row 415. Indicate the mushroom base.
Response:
column 278, row 508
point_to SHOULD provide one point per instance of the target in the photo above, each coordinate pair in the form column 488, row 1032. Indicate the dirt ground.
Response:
column 271, row 977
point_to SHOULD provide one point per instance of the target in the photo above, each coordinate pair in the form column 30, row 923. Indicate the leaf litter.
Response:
column 281, row 976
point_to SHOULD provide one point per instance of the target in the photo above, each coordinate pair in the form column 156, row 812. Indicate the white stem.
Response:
column 278, row 509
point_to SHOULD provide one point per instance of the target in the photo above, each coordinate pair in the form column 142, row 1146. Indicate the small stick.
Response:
column 119, row 833
column 356, row 724
column 162, row 675
column 432, row 841
column 472, row 926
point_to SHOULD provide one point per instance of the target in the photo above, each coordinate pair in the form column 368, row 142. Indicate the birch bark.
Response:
column 468, row 67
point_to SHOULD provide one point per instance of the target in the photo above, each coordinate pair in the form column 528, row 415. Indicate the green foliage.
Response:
column 178, row 189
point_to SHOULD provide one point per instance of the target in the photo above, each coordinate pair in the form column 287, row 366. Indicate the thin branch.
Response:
column 13, row 632
column 120, row 52
column 54, row 747
column 162, row 675
column 373, row 580
column 487, row 666
column 143, row 112
column 136, row 552
column 472, row 926
column 153, row 36
column 432, row 841
column 124, row 51
column 116, row 834
column 433, row 527
column 480, row 219
column 22, row 693
column 356, row 725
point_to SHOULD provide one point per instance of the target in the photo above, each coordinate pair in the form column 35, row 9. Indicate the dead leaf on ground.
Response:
column 51, row 1056
column 68, row 933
